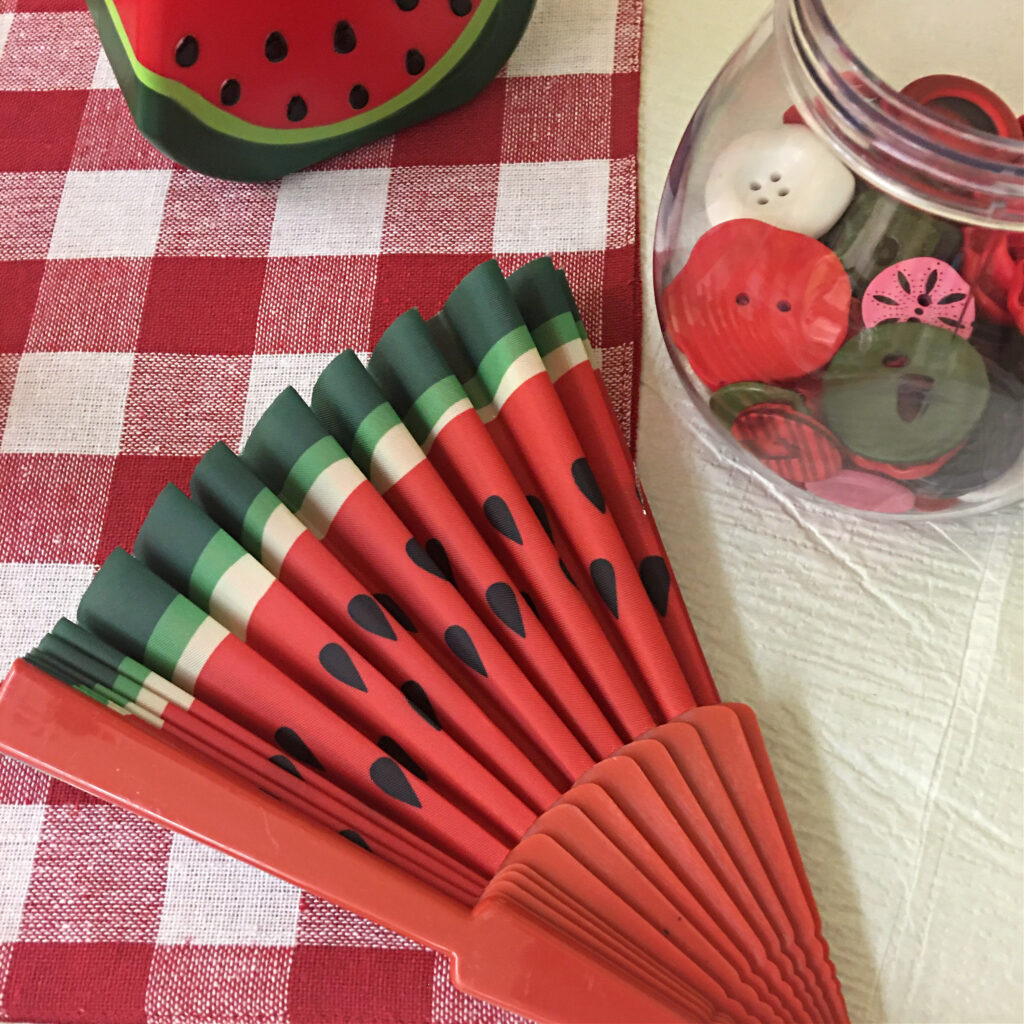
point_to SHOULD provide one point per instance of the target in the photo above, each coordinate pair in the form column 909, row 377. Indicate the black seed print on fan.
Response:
column 438, row 555
column 415, row 551
column 390, row 778
column 336, row 660
column 603, row 575
column 282, row 762
column 529, row 601
column 395, row 749
column 587, row 483
column 417, row 697
column 367, row 613
column 654, row 577
column 291, row 743
column 396, row 611
column 502, row 599
column 462, row 647
column 354, row 837
column 565, row 572
column 499, row 515
column 541, row 513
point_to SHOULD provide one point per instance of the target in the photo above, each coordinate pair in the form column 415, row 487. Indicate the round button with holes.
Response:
column 877, row 231
column 788, row 442
column 920, row 290
column 965, row 102
column 755, row 303
column 864, row 491
column 904, row 393
column 784, row 176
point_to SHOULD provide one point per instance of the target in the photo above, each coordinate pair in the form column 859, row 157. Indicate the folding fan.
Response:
column 418, row 649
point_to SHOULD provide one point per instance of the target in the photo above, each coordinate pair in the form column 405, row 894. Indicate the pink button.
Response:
column 865, row 491
column 920, row 290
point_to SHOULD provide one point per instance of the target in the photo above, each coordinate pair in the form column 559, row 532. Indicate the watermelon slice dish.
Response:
column 253, row 90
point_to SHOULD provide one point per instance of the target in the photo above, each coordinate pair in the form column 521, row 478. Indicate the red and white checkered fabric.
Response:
column 146, row 312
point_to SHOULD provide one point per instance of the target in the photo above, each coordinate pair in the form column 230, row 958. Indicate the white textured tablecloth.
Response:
column 884, row 659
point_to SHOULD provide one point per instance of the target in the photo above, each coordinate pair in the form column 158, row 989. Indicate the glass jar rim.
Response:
column 950, row 170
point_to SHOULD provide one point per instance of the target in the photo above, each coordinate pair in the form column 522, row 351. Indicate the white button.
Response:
column 783, row 176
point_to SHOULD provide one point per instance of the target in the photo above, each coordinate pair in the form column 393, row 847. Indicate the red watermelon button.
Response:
column 991, row 259
column 788, row 442
column 755, row 302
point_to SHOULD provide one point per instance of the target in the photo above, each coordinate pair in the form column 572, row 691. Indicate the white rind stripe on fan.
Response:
column 151, row 702
column 330, row 490
column 456, row 409
column 394, row 455
column 134, row 708
column 565, row 357
column 237, row 593
column 205, row 640
column 525, row 368
column 170, row 693
column 280, row 532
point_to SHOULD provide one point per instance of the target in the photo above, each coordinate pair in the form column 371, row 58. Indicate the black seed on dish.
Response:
column 354, row 837
column 502, row 599
column 565, row 572
column 230, row 92
column 414, row 62
column 419, row 557
column 460, row 7
column 462, row 647
column 386, row 775
column 417, row 697
column 407, row 5
column 344, row 37
column 396, row 611
column 275, row 48
column 365, row 612
column 186, row 53
column 438, row 555
column 499, row 515
column 297, row 109
column 587, row 483
column 282, row 762
column 337, row 661
column 655, row 578
column 541, row 513
column 395, row 749
column 358, row 97
column 292, row 744
column 603, row 575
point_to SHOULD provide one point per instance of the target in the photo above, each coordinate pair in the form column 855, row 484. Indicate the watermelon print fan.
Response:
column 250, row 90
column 421, row 636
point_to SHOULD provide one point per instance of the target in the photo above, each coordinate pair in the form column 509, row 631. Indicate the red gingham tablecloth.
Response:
column 146, row 312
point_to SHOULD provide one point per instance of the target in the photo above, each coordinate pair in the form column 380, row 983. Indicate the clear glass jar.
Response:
column 839, row 254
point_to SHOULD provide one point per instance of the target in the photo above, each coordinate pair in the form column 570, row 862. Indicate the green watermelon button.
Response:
column 728, row 402
column 877, row 231
column 904, row 393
